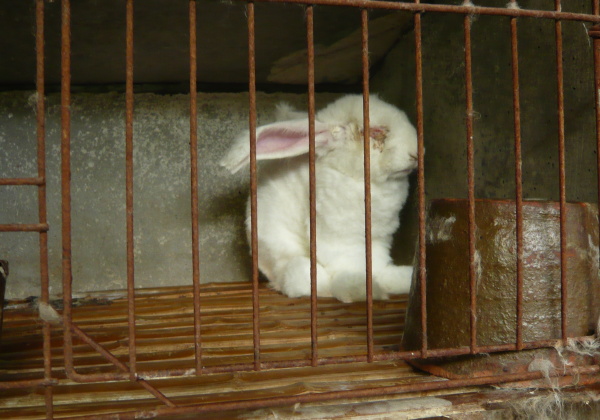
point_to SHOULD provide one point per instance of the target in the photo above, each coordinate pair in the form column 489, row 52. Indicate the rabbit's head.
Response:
column 393, row 138
column 339, row 134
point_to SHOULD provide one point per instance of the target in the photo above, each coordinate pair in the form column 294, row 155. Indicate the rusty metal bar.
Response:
column 594, row 33
column 378, row 357
column 42, row 204
column 40, row 180
column 355, row 393
column 443, row 8
column 561, row 169
column 518, row 178
column 596, row 43
column 312, row 184
column 129, row 183
column 112, row 359
column 364, row 15
column 24, row 227
column 421, row 181
column 471, row 183
column 253, row 183
column 65, row 147
column 28, row 383
column 194, row 188
column 388, row 356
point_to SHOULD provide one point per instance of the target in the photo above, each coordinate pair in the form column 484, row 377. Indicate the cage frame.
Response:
column 129, row 371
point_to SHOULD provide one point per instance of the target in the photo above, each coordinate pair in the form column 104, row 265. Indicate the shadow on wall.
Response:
column 445, row 111
column 161, row 189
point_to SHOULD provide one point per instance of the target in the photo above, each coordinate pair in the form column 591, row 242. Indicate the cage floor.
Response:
column 164, row 340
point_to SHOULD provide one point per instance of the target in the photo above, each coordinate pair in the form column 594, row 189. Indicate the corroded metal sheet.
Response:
column 448, row 294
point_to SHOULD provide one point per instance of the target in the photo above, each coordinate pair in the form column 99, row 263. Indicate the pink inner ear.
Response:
column 274, row 140
column 287, row 139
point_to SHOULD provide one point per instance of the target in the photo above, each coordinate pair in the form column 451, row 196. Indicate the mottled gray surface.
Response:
column 162, row 224
column 444, row 115
column 444, row 103
column 161, row 42
column 162, row 189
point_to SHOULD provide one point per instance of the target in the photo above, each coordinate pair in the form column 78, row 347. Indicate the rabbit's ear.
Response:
column 276, row 141
column 289, row 138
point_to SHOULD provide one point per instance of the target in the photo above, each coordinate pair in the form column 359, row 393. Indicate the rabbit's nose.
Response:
column 413, row 157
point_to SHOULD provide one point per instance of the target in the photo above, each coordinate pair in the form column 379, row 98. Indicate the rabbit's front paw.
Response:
column 296, row 279
column 351, row 287
column 394, row 279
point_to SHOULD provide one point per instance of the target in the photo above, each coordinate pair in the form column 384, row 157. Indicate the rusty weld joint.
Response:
column 594, row 31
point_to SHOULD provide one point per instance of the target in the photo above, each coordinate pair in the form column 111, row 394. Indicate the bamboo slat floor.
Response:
column 165, row 340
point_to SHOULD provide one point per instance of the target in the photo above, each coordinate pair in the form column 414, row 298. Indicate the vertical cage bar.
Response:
column 471, row 182
column 129, row 184
column 42, row 205
column 312, row 183
column 253, row 184
column 65, row 152
column 518, row 178
column 194, row 187
column 364, row 14
column 594, row 32
column 421, row 180
column 120, row 365
column 561, row 169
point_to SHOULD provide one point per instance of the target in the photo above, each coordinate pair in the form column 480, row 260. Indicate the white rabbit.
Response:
column 283, row 197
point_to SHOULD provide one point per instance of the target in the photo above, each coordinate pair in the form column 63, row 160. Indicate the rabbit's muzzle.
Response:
column 412, row 165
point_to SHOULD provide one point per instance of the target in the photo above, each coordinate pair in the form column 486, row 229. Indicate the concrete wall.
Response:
column 445, row 113
column 161, row 192
column 444, row 102
column 162, row 223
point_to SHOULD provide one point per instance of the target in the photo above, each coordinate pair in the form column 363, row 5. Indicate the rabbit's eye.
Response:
column 378, row 134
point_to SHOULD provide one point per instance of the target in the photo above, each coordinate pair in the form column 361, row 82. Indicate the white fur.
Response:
column 283, row 198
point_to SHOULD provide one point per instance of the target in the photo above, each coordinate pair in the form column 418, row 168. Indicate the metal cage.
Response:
column 128, row 367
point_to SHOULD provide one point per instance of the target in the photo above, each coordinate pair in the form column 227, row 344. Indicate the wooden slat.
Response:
column 164, row 327
column 164, row 340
